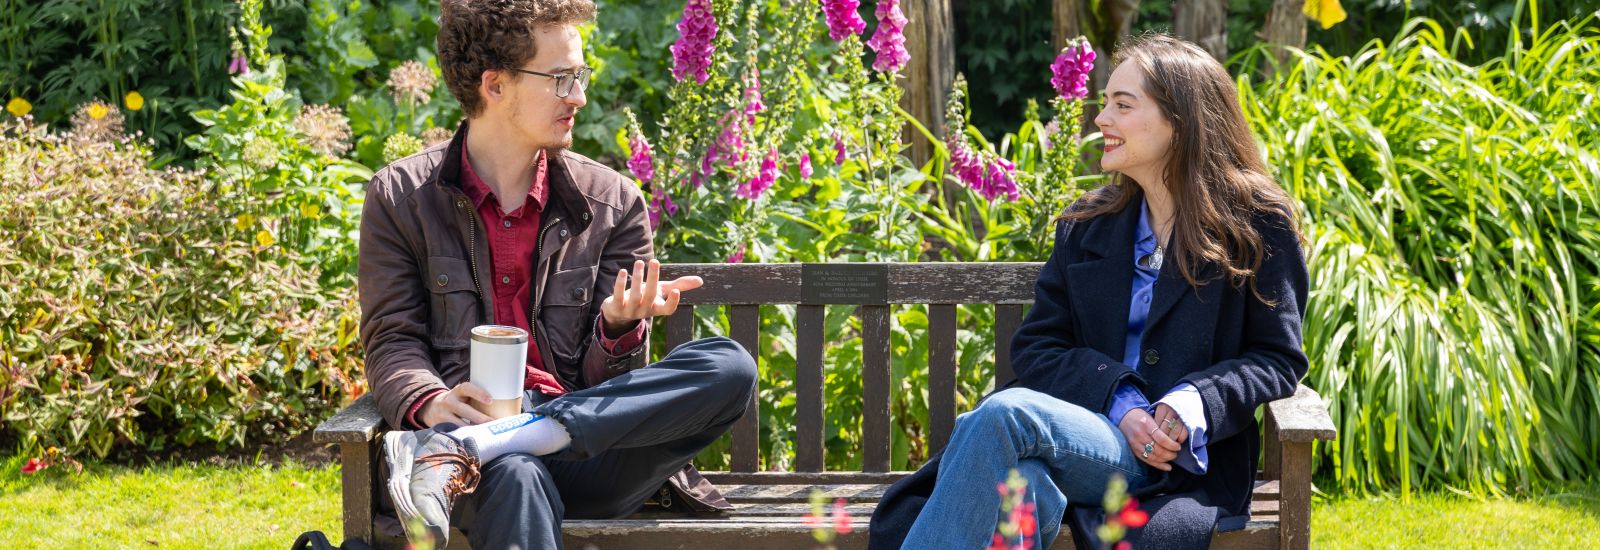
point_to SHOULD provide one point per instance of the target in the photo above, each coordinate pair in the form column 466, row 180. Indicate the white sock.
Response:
column 523, row 433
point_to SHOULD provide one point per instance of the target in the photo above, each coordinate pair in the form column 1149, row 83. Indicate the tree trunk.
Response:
column 1286, row 28
column 1204, row 22
column 930, row 34
column 1068, row 16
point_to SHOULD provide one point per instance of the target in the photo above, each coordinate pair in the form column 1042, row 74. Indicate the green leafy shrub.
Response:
column 146, row 309
column 1451, row 212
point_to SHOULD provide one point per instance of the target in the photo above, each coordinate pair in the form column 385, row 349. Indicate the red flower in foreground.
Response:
column 34, row 465
column 841, row 517
column 1132, row 516
column 1124, row 545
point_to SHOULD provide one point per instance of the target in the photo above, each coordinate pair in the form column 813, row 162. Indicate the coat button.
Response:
column 507, row 223
column 585, row 216
column 461, row 204
column 1102, row 366
column 1151, row 357
column 577, row 293
column 442, row 279
column 563, row 233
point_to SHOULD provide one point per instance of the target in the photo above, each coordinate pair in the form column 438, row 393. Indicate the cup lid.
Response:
column 499, row 334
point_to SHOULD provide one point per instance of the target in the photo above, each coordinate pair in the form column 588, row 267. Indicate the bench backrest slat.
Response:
column 941, row 375
column 808, row 418
column 1007, row 317
column 875, row 436
column 743, row 288
column 745, row 324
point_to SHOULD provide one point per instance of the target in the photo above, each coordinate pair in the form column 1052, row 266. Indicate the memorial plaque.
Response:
column 856, row 284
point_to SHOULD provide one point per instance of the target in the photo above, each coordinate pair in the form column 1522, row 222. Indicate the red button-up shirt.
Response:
column 513, row 240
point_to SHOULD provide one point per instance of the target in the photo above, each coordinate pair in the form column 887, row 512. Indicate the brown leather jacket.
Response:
column 424, row 259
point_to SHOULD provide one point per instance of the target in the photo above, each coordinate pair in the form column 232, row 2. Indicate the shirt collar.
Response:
column 1143, row 237
column 479, row 191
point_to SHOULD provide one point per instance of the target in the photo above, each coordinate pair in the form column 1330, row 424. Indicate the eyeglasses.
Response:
column 564, row 81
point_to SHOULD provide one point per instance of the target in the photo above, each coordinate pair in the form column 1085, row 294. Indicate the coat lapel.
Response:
column 1102, row 284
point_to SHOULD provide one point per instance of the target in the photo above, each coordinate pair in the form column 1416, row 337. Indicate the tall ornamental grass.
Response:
column 1454, row 319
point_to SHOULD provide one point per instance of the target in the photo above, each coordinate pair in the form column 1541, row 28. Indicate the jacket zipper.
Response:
column 533, row 319
column 472, row 255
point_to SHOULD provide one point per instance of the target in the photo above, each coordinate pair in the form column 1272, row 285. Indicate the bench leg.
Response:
column 1294, row 508
column 358, row 477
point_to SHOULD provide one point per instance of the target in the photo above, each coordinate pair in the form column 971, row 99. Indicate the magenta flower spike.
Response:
column 842, row 18
column 890, row 39
column 642, row 163
column 691, row 54
column 1070, row 72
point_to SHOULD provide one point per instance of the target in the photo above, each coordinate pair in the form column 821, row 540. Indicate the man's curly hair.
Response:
column 483, row 35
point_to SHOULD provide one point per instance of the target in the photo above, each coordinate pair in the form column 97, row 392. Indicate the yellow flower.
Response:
column 19, row 107
column 98, row 110
column 264, row 239
column 1326, row 12
column 244, row 221
column 134, row 101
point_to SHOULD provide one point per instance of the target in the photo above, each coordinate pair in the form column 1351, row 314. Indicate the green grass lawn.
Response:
column 166, row 506
column 207, row 506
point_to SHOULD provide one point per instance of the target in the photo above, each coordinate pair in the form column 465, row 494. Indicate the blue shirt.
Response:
column 1185, row 398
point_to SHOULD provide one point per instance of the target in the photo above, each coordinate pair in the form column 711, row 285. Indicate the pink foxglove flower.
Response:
column 838, row 148
column 691, row 54
column 805, row 165
column 889, row 41
column 738, row 256
column 752, row 98
column 661, row 204
column 842, row 18
column 642, row 162
column 238, row 65
column 1070, row 72
column 764, row 178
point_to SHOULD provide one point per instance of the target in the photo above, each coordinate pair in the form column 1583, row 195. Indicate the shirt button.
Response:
column 1151, row 357
column 505, row 280
column 508, row 223
column 1102, row 366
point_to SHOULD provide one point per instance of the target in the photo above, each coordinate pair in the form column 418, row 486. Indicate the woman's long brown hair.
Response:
column 1218, row 182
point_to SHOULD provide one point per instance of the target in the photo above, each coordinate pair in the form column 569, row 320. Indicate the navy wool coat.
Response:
column 1238, row 351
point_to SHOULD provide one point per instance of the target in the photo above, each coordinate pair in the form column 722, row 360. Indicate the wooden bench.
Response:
column 771, row 505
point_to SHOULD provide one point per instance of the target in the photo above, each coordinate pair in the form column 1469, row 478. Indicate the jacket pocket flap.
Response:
column 446, row 274
column 571, row 287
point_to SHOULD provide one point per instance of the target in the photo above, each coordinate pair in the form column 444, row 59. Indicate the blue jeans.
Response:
column 1066, row 453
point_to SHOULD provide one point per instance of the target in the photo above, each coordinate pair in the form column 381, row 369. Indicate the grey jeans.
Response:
column 628, row 434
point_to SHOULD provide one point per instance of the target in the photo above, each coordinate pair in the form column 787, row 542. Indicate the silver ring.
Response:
column 1148, row 448
column 1145, row 455
column 1155, row 429
column 1169, row 424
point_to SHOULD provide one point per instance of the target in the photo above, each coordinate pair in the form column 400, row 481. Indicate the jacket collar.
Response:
column 564, row 191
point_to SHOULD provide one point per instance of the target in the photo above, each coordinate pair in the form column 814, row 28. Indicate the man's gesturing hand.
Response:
column 645, row 297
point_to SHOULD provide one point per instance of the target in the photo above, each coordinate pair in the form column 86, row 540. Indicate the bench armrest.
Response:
column 357, row 423
column 1301, row 418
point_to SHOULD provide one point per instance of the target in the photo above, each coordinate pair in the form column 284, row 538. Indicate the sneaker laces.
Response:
column 464, row 481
